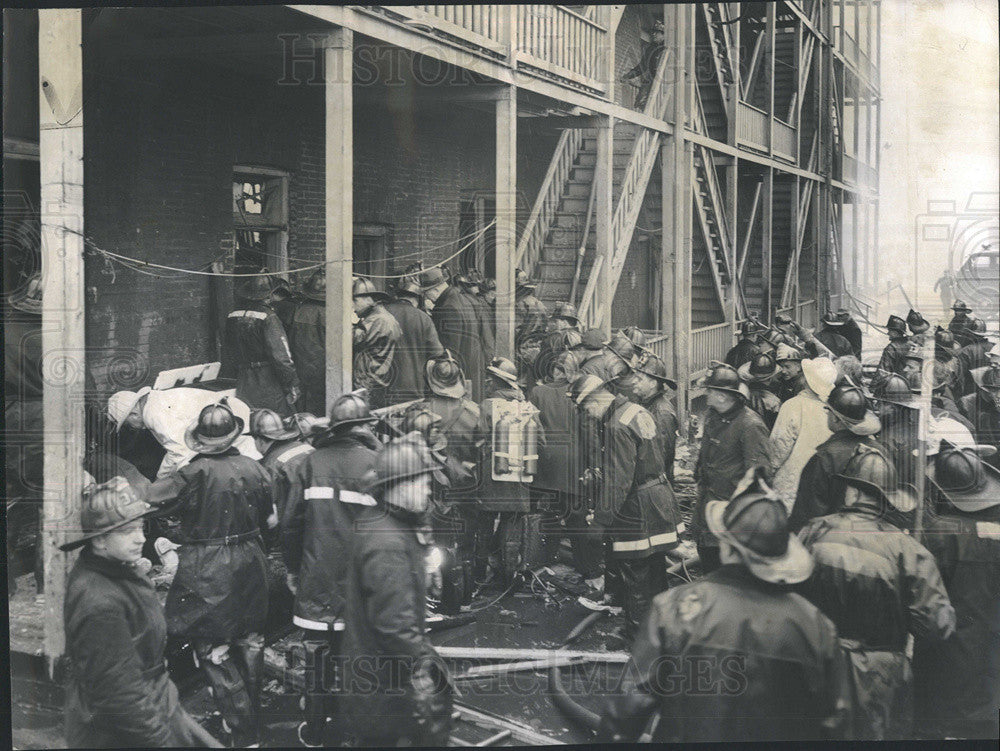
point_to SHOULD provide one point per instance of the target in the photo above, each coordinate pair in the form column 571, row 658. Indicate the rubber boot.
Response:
column 250, row 650
column 229, row 690
column 314, row 697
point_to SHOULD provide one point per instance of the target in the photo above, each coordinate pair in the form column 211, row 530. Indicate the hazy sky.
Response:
column 940, row 136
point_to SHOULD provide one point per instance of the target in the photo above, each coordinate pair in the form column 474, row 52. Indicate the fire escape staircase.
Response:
column 557, row 243
column 717, row 22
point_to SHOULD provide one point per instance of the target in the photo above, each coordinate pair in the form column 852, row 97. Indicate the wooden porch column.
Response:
column 603, row 212
column 669, row 242
column 338, row 73
column 506, row 214
column 683, row 160
column 767, row 231
column 60, row 147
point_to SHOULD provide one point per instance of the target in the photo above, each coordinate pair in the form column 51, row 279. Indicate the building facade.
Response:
column 676, row 167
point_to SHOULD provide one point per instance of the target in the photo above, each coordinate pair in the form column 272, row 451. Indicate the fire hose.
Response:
column 574, row 711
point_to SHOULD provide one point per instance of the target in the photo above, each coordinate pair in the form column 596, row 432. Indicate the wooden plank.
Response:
column 506, row 215
column 338, row 74
column 521, row 732
column 60, row 149
column 504, row 653
column 680, row 212
column 767, row 232
column 485, row 671
column 604, row 234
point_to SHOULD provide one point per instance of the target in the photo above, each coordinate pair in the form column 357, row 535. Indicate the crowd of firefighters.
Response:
column 824, row 608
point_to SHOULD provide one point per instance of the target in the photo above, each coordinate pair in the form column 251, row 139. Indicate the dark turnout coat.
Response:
column 820, row 491
column 559, row 459
column 877, row 584
column 731, row 444
column 957, row 682
column 308, row 341
column 220, row 589
column 636, row 503
column 317, row 527
column 418, row 344
column 396, row 685
column 118, row 692
column 731, row 656
column 256, row 350
column 376, row 339
column 458, row 328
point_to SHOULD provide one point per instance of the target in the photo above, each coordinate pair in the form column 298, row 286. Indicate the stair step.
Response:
column 587, row 173
column 577, row 189
column 575, row 204
column 558, row 291
column 565, row 255
column 589, row 159
column 560, row 272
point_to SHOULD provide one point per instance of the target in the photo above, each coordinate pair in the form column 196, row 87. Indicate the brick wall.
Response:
column 160, row 145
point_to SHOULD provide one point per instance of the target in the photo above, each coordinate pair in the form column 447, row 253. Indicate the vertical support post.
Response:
column 732, row 181
column 767, row 232
column 771, row 23
column 680, row 194
column 796, row 248
column 60, row 146
column 668, row 185
column 338, row 74
column 603, row 214
column 506, row 214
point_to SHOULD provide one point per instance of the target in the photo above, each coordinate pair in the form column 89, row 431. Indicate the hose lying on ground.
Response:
column 578, row 714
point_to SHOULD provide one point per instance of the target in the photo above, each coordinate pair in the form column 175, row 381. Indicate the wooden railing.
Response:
column 533, row 236
column 632, row 191
column 709, row 343
column 561, row 41
column 785, row 140
column 752, row 126
column 850, row 168
column 480, row 24
column 551, row 38
column 808, row 313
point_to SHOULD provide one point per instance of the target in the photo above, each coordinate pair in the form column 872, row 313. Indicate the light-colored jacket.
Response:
column 798, row 430
column 168, row 414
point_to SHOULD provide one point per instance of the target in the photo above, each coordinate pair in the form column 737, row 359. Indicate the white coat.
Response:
column 799, row 428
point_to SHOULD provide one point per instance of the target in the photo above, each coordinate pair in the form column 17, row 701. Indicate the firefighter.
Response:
column 974, row 354
column 468, row 283
column 508, row 499
column 563, row 317
column 850, row 330
column 557, row 483
column 791, row 382
column 946, row 352
column 530, row 314
column 736, row 654
column 592, row 343
column 283, row 302
column 460, row 426
column 734, row 439
column 281, row 446
column 457, row 326
column 892, row 356
column 957, row 682
column 635, row 504
column 554, row 343
column 800, row 427
column 647, row 385
column 326, row 495
column 760, row 375
column 638, row 338
column 830, row 326
column 256, row 350
column 119, row 692
column 900, row 418
column 875, row 606
column 982, row 407
column 376, row 337
column 218, row 597
column 960, row 320
column 397, row 689
column 308, row 341
column 919, row 326
column 418, row 344
column 166, row 415
column 853, row 423
column 744, row 350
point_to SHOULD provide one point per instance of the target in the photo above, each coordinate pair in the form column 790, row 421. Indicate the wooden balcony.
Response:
column 752, row 127
column 855, row 56
column 785, row 140
column 553, row 41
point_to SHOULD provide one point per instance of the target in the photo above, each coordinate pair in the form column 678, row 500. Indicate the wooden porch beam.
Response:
column 506, row 216
column 767, row 196
column 604, row 235
column 60, row 150
column 338, row 67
